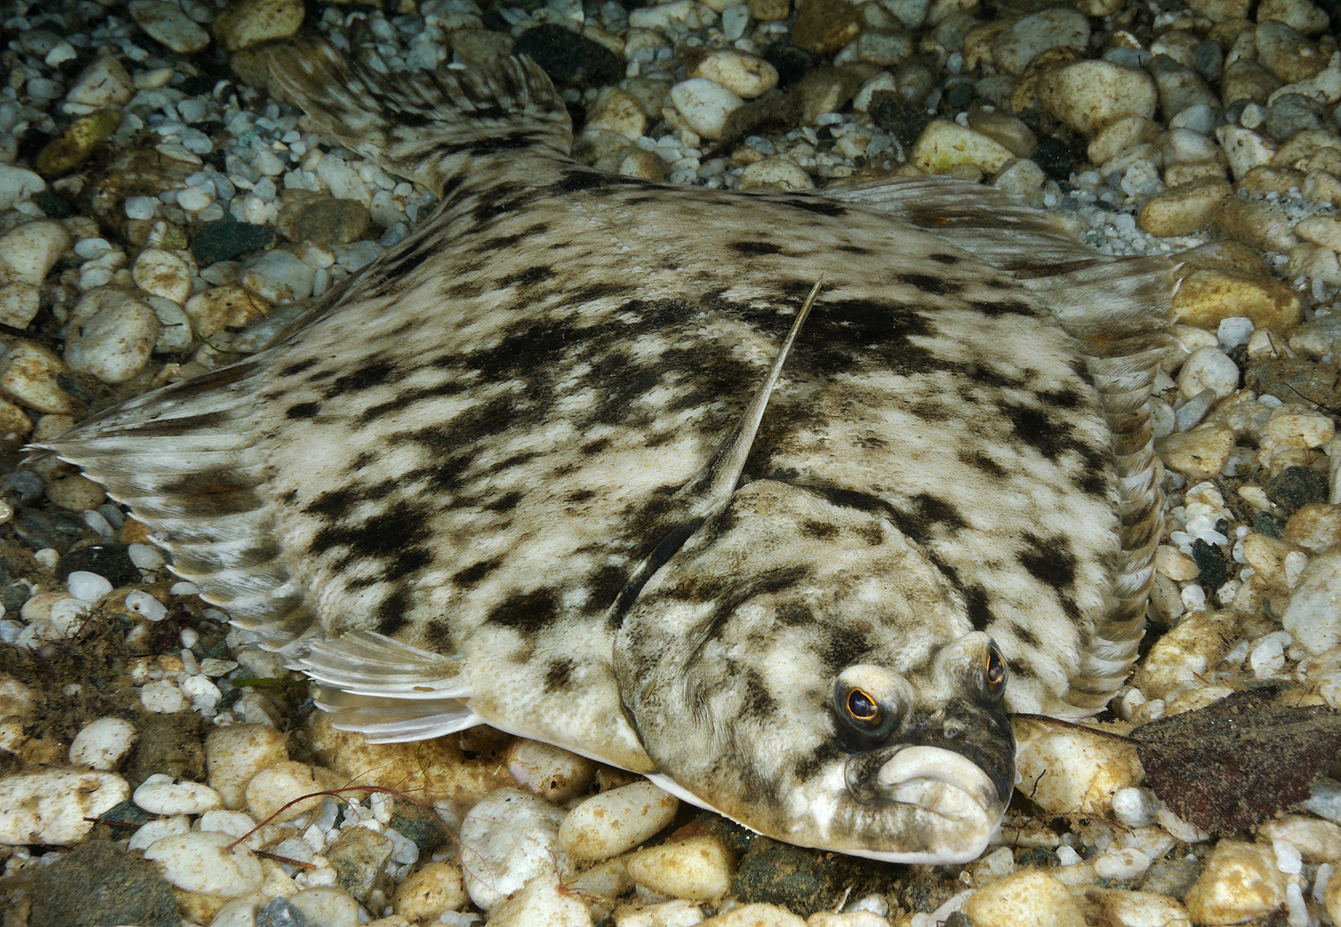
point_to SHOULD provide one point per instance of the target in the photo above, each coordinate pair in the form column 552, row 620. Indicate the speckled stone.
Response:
column 99, row 883
column 359, row 857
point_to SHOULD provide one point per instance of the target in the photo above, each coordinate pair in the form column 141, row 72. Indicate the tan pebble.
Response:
column 1178, row 657
column 431, row 770
column 1245, row 149
column 1308, row 150
column 1321, row 230
column 1300, row 15
column 1200, row 454
column 1240, row 882
column 19, row 304
column 1136, row 909
column 225, row 308
column 1257, row 224
column 1247, row 80
column 430, row 891
column 1028, row 897
column 1120, row 135
column 1205, row 298
column 75, row 492
column 608, row 824
column 1265, row 179
column 776, row 173
column 1068, row 771
column 543, row 900
column 699, row 868
column 162, row 273
column 765, row 11
column 29, row 251
column 747, row 76
column 1267, row 556
column 1316, row 263
column 1173, row 563
column 944, row 145
column 755, row 915
column 15, row 426
column 846, row 919
column 1317, row 841
column 245, row 23
column 1185, row 209
column 1221, row 10
column 233, row 755
column 275, row 786
column 1315, row 527
column 643, row 164
column 551, row 772
column 480, row 46
column 1322, row 187
column 1292, row 425
column 616, row 110
column 1087, row 95
column 824, row 26
column 1007, row 131
column 1189, row 171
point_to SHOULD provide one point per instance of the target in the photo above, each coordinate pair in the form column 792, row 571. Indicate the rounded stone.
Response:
column 705, row 105
column 225, row 308
column 201, row 862
column 162, row 273
column 429, row 892
column 165, row 22
column 513, row 837
column 776, row 173
column 235, row 754
column 160, row 794
column 946, row 145
column 746, row 76
column 114, row 342
column 698, row 868
column 1184, row 209
column 1028, row 897
column 53, row 806
column 551, row 772
column 1240, row 882
column 1313, row 616
column 29, row 251
column 608, row 824
column 1087, row 95
column 29, row 374
column 103, row 744
column 1018, row 44
column 245, row 23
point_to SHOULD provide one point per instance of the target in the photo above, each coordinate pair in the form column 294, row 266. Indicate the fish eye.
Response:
column 867, row 706
column 994, row 672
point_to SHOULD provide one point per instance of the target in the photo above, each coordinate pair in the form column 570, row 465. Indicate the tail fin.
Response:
column 425, row 124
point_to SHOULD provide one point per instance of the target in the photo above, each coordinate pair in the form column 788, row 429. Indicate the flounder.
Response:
column 783, row 500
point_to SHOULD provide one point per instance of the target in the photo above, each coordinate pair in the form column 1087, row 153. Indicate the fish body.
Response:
column 784, row 500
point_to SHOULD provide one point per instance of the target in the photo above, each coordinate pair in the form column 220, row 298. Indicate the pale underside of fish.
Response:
column 552, row 465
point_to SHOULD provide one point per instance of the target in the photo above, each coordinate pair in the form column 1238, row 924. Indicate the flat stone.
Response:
column 1087, row 95
column 1207, row 297
column 50, row 806
column 165, row 22
column 99, row 883
column 1018, row 44
column 824, row 26
column 247, row 23
column 359, row 857
column 103, row 83
column 1184, row 209
column 228, row 239
column 1289, row 56
column 946, row 145
column 1200, row 454
column 77, row 142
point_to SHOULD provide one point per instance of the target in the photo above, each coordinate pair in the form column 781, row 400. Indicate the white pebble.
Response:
column 234, row 823
column 159, row 794
column 203, row 693
column 328, row 906
column 1208, row 368
column 87, row 586
column 141, row 207
column 28, row 251
column 162, row 697
column 114, row 342
column 1133, row 807
column 1288, row 858
column 1125, row 863
column 704, row 104
column 156, row 830
column 513, row 836
column 1267, row 658
column 201, row 862
column 51, row 806
column 162, row 273
column 1234, row 331
column 194, row 199
column 145, row 605
column 144, row 557
column 102, row 744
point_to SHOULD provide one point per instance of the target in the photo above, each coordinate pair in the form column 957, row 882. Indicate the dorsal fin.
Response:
column 424, row 125
column 718, row 479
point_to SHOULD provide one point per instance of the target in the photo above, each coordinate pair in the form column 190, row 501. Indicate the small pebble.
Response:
column 280, row 912
column 613, row 822
column 202, row 862
column 698, row 868
column 53, row 806
column 102, row 744
column 512, row 837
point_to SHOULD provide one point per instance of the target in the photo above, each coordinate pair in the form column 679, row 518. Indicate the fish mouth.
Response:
column 932, row 806
column 939, row 781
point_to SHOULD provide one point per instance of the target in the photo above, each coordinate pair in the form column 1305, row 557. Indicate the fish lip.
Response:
column 940, row 781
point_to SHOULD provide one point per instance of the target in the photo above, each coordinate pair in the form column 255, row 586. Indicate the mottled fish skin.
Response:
column 433, row 494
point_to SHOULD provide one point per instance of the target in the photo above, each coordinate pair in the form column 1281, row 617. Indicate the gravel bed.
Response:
column 161, row 215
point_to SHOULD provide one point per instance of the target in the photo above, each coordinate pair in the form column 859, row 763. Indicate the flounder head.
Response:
column 800, row 667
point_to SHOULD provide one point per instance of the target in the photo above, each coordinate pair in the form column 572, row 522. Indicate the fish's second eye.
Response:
column 994, row 672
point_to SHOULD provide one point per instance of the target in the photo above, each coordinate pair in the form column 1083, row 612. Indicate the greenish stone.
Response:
column 332, row 222
column 226, row 239
column 423, row 828
column 72, row 147
column 100, row 884
column 958, row 919
column 1211, row 561
column 1037, row 858
column 1266, row 523
column 359, row 857
column 803, row 881
column 1296, row 487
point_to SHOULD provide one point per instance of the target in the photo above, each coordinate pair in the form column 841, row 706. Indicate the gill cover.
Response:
column 800, row 667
